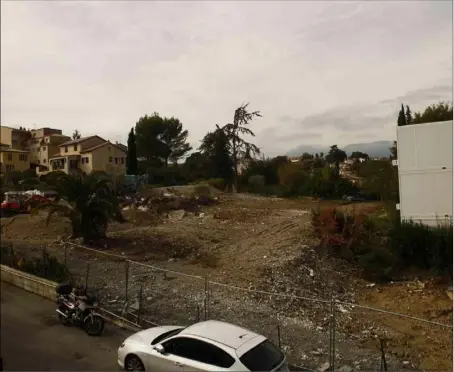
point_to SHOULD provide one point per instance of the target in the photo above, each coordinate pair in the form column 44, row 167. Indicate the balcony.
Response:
column 68, row 164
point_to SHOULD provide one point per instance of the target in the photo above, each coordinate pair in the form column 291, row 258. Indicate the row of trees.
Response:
column 90, row 201
column 157, row 140
column 441, row 111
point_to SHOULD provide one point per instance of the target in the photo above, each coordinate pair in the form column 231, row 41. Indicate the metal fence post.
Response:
column 206, row 299
column 139, row 311
column 332, row 335
column 198, row 313
column 384, row 365
column 86, row 276
column 279, row 335
column 126, row 279
column 66, row 254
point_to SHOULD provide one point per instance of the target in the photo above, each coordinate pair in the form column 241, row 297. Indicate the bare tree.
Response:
column 76, row 135
column 238, row 146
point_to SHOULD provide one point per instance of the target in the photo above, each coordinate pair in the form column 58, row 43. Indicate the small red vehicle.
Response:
column 21, row 202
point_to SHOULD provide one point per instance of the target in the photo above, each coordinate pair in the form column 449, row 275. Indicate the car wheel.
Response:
column 133, row 363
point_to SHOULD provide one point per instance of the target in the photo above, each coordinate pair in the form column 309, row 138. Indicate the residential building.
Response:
column 12, row 159
column 87, row 154
column 121, row 146
column 15, row 138
column 294, row 159
column 43, row 144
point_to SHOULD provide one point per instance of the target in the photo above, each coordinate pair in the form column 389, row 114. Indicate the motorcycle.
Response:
column 78, row 308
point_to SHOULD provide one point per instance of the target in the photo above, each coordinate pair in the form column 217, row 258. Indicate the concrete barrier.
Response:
column 31, row 283
column 46, row 288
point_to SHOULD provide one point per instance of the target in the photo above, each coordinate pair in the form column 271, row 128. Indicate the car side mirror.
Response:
column 159, row 348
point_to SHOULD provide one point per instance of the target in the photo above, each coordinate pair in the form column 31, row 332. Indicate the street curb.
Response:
column 46, row 288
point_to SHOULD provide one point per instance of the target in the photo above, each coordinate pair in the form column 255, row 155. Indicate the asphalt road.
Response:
column 32, row 339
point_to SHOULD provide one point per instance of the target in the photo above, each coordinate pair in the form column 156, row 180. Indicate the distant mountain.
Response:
column 378, row 149
column 375, row 149
column 298, row 151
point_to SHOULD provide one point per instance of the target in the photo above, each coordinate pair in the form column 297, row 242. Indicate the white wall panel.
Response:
column 425, row 171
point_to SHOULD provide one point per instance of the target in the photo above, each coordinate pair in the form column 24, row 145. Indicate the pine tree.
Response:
column 131, row 159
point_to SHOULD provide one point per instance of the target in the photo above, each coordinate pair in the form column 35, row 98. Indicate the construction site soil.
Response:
column 252, row 261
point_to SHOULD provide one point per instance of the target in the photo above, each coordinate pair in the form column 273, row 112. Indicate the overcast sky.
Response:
column 320, row 72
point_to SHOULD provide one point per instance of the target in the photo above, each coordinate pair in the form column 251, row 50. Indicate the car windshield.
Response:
column 263, row 357
column 166, row 335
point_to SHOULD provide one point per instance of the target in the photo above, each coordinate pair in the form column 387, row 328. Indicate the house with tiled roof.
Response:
column 87, row 154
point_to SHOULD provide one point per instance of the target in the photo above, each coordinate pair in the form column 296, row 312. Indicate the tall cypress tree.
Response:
column 401, row 119
column 131, row 159
column 408, row 116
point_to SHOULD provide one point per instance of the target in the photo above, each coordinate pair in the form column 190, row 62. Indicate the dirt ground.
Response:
column 262, row 244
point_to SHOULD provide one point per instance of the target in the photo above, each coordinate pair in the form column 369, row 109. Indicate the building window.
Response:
column 66, row 148
column 9, row 167
column 73, row 164
column 10, row 157
column 44, row 161
column 75, row 147
column 22, row 157
column 110, row 159
column 122, row 160
column 116, row 160
column 39, row 161
column 85, row 160
column 44, row 148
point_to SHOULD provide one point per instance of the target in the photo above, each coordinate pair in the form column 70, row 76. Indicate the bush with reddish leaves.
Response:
column 351, row 236
column 338, row 231
column 383, row 245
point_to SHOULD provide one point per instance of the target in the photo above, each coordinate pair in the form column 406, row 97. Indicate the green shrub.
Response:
column 382, row 245
column 292, row 176
column 8, row 255
column 46, row 266
column 281, row 191
column 377, row 261
column 256, row 183
column 217, row 183
column 202, row 189
column 170, row 176
column 423, row 246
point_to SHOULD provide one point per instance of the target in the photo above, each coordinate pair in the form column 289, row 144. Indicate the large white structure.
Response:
column 424, row 159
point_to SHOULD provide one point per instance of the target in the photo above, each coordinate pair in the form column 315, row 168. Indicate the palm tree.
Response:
column 88, row 201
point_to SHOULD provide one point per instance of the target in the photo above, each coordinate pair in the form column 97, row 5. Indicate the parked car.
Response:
column 206, row 346
column 354, row 198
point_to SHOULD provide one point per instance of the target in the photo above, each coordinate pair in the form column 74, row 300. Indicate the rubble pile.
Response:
column 168, row 202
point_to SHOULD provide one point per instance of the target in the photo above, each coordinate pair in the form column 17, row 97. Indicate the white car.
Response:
column 204, row 346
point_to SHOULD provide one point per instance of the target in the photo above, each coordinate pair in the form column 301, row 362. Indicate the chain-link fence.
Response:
column 317, row 333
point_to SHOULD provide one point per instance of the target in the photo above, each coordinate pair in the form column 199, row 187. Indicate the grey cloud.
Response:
column 316, row 70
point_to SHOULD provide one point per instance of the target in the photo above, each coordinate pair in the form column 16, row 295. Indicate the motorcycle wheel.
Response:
column 94, row 325
column 62, row 319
